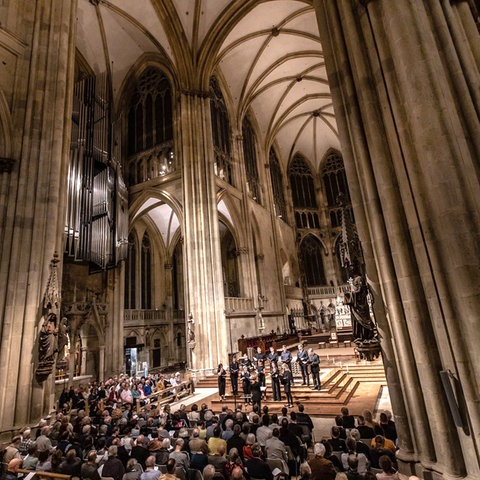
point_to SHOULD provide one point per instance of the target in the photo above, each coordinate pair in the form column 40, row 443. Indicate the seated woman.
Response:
column 388, row 472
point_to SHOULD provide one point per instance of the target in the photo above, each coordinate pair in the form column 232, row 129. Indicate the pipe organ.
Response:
column 96, row 224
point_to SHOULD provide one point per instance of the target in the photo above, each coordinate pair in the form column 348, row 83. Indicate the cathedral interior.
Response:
column 176, row 175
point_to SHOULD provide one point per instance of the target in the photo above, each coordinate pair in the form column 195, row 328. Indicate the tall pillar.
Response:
column 83, row 365
column 406, row 118
column 34, row 214
column 202, row 258
column 249, row 278
column 101, row 363
column 114, row 347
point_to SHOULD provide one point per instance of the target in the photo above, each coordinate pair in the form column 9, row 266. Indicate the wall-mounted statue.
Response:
column 47, row 346
column 358, row 301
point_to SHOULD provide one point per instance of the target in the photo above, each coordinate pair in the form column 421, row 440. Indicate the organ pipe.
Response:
column 96, row 223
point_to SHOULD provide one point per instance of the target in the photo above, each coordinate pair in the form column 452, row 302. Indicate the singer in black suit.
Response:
column 302, row 359
column 234, row 369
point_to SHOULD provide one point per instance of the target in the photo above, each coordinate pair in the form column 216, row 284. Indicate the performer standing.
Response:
column 259, row 355
column 287, row 379
column 247, row 363
column 314, row 362
column 302, row 359
column 261, row 377
column 272, row 356
column 234, row 369
column 256, row 392
column 286, row 358
column 275, row 377
column 222, row 381
column 246, row 384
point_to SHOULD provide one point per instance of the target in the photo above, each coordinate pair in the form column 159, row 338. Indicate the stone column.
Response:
column 83, row 365
column 248, row 278
column 411, row 159
column 34, row 214
column 202, row 259
column 101, row 363
column 115, row 358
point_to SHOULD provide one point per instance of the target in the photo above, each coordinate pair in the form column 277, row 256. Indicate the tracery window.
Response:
column 276, row 177
column 303, row 194
column 146, row 273
column 130, row 272
column 312, row 262
column 150, row 128
column 336, row 188
column 250, row 158
column 221, row 133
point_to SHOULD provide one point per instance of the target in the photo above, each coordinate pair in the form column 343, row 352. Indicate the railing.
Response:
column 239, row 304
column 142, row 315
column 328, row 292
column 155, row 162
column 139, row 317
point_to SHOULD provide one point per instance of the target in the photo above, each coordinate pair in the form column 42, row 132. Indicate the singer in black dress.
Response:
column 275, row 377
column 222, row 380
column 286, row 380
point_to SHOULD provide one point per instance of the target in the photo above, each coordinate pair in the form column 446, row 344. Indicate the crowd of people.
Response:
column 252, row 374
column 117, row 442
column 115, row 429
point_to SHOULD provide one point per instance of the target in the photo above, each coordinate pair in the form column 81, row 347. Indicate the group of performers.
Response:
column 253, row 375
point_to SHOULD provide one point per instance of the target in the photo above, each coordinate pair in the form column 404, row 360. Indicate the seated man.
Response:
column 338, row 444
column 170, row 475
column 218, row 460
column 322, row 469
column 150, row 473
column 378, row 450
column 365, row 431
column 256, row 467
column 348, row 420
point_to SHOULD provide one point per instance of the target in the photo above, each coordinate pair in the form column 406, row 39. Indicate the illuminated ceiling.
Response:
column 268, row 55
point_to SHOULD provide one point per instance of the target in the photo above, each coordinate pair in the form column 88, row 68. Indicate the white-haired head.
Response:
column 319, row 449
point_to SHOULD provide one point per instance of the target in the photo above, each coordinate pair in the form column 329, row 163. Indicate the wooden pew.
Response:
column 45, row 475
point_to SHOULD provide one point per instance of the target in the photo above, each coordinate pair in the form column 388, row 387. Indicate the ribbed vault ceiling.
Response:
column 268, row 55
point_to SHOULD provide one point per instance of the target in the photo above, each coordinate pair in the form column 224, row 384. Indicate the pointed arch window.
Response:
column 303, row 194
column 276, row 177
column 146, row 272
column 312, row 261
column 221, row 133
column 230, row 253
column 150, row 128
column 130, row 272
column 336, row 187
column 250, row 158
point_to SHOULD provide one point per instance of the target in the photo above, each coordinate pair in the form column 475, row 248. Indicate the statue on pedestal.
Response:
column 358, row 301
column 47, row 345
column 191, row 332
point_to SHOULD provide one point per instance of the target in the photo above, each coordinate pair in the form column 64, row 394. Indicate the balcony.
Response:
column 149, row 317
column 239, row 304
column 328, row 291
